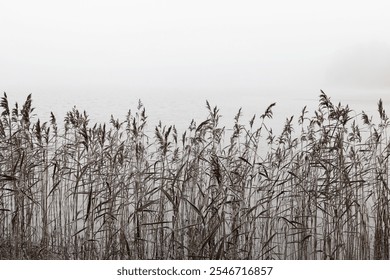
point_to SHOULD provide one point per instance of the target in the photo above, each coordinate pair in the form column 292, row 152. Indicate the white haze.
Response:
column 223, row 50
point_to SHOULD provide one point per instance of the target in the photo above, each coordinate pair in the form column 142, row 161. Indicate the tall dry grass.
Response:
column 112, row 191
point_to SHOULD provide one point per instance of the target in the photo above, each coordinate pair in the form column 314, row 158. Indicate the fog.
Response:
column 187, row 47
column 365, row 66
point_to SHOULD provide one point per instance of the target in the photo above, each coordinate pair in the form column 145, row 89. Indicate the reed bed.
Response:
column 319, row 190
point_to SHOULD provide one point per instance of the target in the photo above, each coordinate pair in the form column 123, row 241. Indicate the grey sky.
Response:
column 193, row 45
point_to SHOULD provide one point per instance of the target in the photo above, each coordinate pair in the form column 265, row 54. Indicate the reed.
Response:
column 318, row 190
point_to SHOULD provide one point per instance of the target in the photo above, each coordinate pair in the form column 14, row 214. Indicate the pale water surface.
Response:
column 180, row 107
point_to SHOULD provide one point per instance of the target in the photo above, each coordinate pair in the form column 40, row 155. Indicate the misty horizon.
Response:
column 151, row 46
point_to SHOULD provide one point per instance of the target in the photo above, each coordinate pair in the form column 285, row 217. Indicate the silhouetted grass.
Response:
column 319, row 190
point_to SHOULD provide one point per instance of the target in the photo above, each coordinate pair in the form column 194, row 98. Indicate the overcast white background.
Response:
column 64, row 50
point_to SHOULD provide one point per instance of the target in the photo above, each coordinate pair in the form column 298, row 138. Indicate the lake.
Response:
column 178, row 108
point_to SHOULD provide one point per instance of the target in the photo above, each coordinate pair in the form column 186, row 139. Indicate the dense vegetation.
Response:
column 319, row 190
